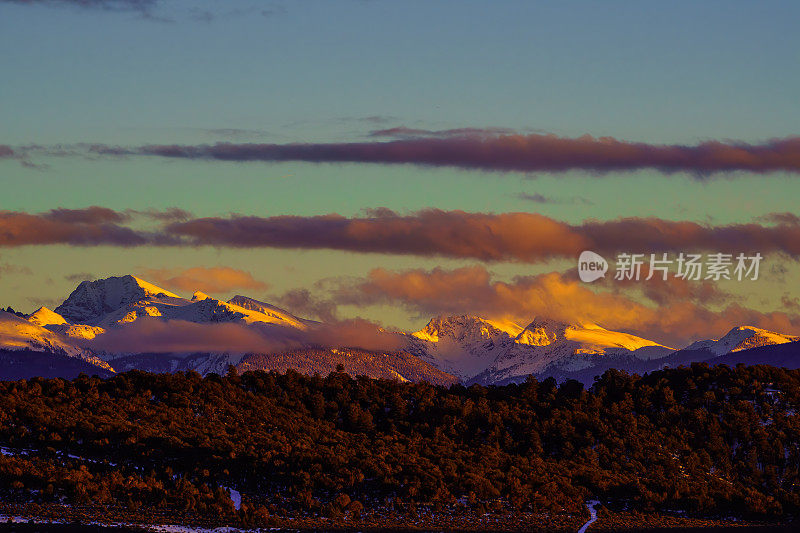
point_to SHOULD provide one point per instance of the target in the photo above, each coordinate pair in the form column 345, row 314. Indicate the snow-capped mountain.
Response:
column 94, row 301
column 274, row 314
column 463, row 345
column 477, row 349
column 742, row 338
column 113, row 304
column 474, row 349
column 45, row 317
column 17, row 333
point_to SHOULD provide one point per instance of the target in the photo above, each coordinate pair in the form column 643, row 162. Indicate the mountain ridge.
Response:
column 472, row 348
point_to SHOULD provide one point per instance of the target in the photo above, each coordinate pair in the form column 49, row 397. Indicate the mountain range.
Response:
column 123, row 323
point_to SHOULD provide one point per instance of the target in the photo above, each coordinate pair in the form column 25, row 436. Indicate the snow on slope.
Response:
column 741, row 338
column 462, row 345
column 274, row 314
column 19, row 334
column 16, row 332
column 114, row 303
column 469, row 346
column 77, row 331
column 45, row 317
column 239, row 309
column 54, row 322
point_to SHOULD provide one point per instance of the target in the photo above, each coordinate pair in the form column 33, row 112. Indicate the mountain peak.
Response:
column 199, row 295
column 466, row 326
column 46, row 317
column 744, row 337
column 275, row 314
column 91, row 300
column 543, row 332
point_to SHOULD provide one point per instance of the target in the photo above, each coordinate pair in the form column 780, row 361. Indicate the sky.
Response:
column 427, row 109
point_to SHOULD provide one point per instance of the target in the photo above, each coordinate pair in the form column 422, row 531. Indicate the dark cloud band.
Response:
column 521, row 237
column 507, row 153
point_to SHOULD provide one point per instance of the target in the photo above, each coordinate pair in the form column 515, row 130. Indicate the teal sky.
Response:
column 318, row 71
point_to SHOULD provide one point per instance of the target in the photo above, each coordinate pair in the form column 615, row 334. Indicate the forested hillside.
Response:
column 711, row 442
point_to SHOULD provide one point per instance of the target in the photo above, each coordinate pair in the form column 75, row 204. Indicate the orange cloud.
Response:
column 522, row 237
column 554, row 295
column 219, row 279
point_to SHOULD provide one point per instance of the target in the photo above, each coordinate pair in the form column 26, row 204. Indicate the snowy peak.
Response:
column 757, row 337
column 92, row 300
column 463, row 345
column 596, row 336
column 274, row 314
column 461, row 328
column 150, row 289
column 542, row 332
column 17, row 333
column 742, row 338
column 45, row 317
column 546, row 332
column 476, row 348
column 117, row 301
column 203, row 308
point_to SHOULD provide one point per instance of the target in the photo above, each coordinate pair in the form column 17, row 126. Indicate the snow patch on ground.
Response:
column 236, row 496
column 593, row 515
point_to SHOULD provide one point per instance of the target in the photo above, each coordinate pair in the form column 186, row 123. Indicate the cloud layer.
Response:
column 491, row 150
column 151, row 335
column 85, row 227
column 560, row 296
column 521, row 237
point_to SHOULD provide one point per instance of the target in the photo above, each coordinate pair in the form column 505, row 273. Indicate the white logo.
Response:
column 591, row 266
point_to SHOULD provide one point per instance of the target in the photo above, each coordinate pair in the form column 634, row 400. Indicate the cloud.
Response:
column 80, row 276
column 662, row 291
column 89, row 215
column 486, row 150
column 151, row 335
column 52, row 303
column 553, row 295
column 790, row 303
column 142, row 6
column 170, row 214
column 90, row 226
column 301, row 302
column 428, row 233
column 220, row 279
column 520, row 237
column 355, row 333
column 404, row 132
column 785, row 218
column 542, row 199
column 178, row 336
column 234, row 133
column 524, row 237
column 9, row 269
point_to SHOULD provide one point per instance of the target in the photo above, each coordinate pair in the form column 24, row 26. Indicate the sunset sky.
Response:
column 396, row 160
